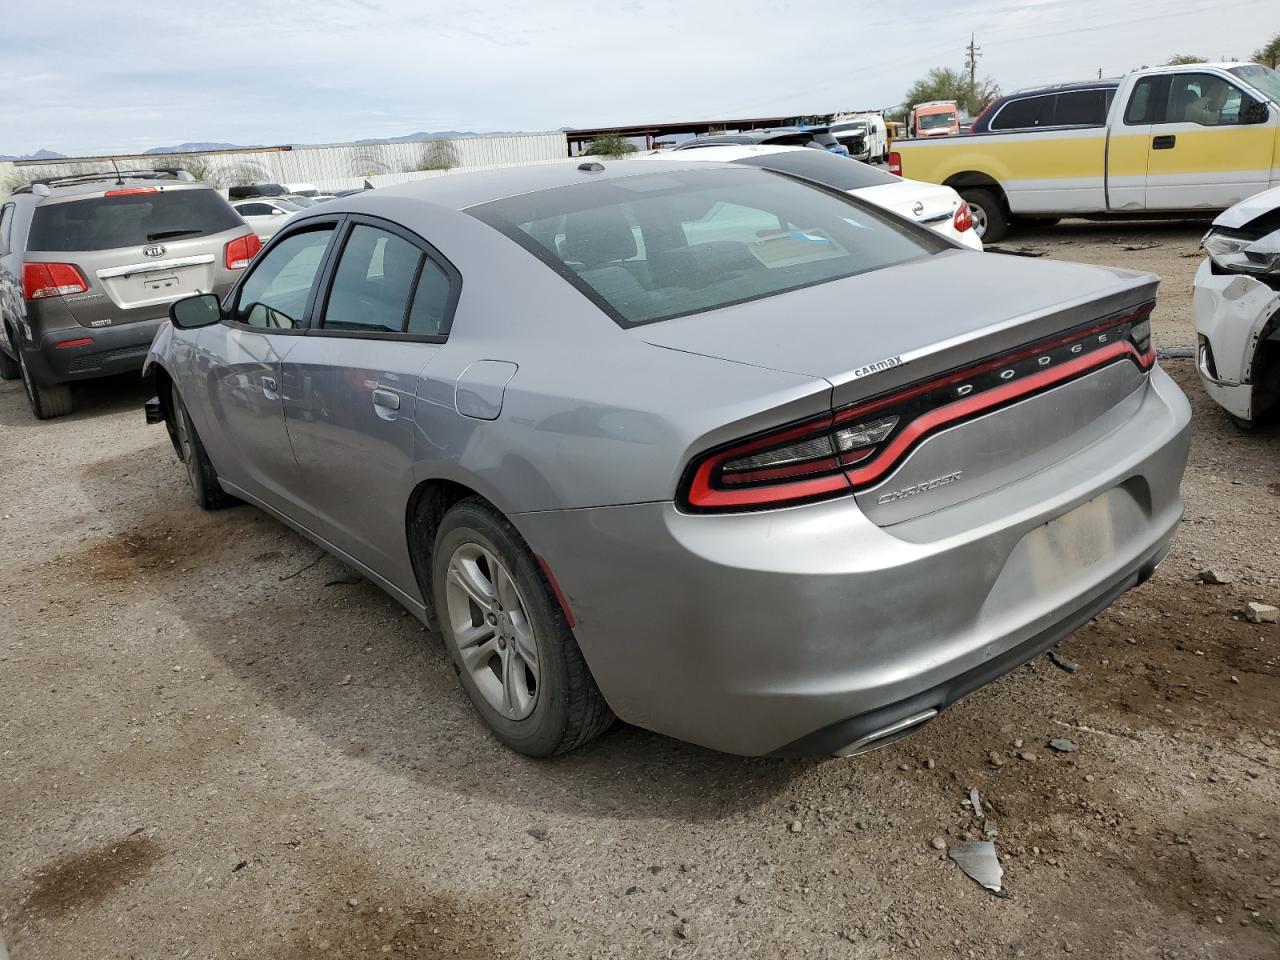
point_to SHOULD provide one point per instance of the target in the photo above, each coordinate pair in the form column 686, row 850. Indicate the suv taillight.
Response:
column 237, row 254
column 40, row 280
column 895, row 163
column 857, row 446
column 963, row 218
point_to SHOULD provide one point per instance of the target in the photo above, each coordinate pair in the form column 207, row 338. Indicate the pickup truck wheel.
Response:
column 508, row 636
column 990, row 222
column 47, row 400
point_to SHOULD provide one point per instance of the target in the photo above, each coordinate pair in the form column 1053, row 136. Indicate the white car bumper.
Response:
column 1230, row 312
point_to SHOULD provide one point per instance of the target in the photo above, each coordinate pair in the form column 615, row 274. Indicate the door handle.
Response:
column 1165, row 142
column 385, row 398
column 269, row 388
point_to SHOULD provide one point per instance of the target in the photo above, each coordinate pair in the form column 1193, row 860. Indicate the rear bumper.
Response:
column 111, row 350
column 799, row 630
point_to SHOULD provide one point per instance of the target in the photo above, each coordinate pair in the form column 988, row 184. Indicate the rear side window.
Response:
column 824, row 167
column 655, row 246
column 274, row 296
column 1024, row 113
column 129, row 220
column 1081, row 108
column 371, row 286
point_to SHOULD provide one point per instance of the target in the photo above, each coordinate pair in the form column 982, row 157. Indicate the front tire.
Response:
column 508, row 637
column 990, row 222
column 203, row 478
column 47, row 400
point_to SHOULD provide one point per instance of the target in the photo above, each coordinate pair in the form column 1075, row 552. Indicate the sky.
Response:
column 83, row 78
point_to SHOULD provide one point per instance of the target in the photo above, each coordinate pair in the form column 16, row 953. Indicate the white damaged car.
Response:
column 1236, row 308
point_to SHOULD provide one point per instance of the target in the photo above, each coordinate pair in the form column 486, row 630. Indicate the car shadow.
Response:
column 89, row 398
column 350, row 664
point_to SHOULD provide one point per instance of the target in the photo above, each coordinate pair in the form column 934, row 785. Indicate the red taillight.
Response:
column 237, row 254
column 963, row 219
column 40, row 280
column 78, row 342
column 895, row 163
column 857, row 446
column 131, row 191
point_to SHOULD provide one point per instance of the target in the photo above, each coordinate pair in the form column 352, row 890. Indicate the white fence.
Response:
column 331, row 167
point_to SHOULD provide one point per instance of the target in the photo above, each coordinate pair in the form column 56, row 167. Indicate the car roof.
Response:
column 729, row 152
column 1108, row 82
column 97, row 187
column 464, row 190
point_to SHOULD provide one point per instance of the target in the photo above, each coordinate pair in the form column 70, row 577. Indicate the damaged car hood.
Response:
column 1250, row 209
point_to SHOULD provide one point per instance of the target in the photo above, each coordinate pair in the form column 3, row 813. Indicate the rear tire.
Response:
column 9, row 369
column 990, row 222
column 508, row 636
column 47, row 400
column 203, row 478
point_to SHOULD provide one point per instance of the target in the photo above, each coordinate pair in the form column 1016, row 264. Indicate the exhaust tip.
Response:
column 887, row 734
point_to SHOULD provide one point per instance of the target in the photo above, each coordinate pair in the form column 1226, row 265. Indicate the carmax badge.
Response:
column 915, row 488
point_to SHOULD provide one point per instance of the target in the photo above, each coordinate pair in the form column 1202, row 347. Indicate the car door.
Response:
column 239, row 362
column 1211, row 148
column 351, row 388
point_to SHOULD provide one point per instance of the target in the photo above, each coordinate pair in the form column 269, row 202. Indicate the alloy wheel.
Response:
column 491, row 628
column 979, row 216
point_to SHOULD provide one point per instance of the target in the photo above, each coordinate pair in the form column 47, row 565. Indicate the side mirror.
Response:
column 1251, row 111
column 201, row 310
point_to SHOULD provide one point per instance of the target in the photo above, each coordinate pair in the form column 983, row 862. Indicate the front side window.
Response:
column 655, row 246
column 1205, row 99
column 371, row 286
column 275, row 294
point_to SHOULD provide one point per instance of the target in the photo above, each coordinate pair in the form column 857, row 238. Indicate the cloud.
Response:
column 289, row 71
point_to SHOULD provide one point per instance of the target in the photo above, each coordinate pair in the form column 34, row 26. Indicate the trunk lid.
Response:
column 926, row 203
column 995, row 367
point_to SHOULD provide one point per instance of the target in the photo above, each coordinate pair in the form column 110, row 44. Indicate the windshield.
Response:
column 129, row 219
column 935, row 121
column 1263, row 79
column 657, row 246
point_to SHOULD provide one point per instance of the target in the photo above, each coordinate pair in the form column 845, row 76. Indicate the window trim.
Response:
column 328, row 270
column 233, row 295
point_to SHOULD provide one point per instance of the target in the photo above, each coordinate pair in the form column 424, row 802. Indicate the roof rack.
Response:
column 119, row 175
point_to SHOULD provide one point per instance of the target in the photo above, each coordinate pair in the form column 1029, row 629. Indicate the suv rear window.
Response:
column 657, row 246
column 129, row 220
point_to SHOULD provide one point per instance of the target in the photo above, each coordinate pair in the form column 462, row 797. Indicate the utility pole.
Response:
column 973, row 52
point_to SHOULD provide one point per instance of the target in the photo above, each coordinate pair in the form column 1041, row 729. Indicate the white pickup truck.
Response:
column 1175, row 140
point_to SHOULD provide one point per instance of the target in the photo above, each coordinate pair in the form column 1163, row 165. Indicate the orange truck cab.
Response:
column 937, row 118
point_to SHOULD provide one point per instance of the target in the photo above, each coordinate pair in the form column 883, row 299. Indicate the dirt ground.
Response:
column 208, row 751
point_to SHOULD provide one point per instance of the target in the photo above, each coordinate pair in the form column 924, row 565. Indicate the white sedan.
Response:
column 929, row 204
column 265, row 215
column 1236, row 310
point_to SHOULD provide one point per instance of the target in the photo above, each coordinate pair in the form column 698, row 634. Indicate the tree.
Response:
column 1182, row 59
column 438, row 155
column 1269, row 54
column 943, row 83
column 610, row 145
column 201, row 169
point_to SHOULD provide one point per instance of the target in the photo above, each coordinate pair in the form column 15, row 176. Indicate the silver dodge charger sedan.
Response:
column 716, row 450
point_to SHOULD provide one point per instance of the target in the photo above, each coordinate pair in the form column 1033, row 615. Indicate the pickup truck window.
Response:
column 1082, row 108
column 1146, row 103
column 1024, row 113
column 1204, row 99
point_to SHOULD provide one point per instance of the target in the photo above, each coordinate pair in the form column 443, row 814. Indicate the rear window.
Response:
column 657, row 246
column 129, row 220
column 825, row 167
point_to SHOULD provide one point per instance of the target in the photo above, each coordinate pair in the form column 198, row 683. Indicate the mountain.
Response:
column 195, row 148
column 38, row 155
column 420, row 135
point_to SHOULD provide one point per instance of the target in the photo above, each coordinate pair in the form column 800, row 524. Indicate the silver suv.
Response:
column 89, row 265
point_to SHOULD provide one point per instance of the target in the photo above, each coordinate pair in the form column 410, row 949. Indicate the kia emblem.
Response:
column 155, row 250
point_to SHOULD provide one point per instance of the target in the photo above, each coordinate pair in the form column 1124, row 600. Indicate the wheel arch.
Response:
column 975, row 180
column 425, row 510
column 161, row 381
